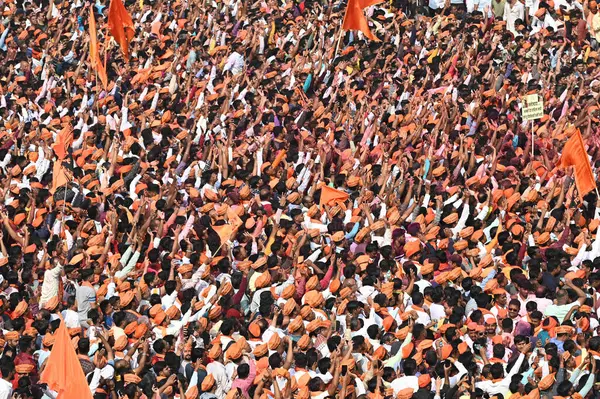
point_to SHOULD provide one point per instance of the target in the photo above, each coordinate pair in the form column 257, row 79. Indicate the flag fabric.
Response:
column 330, row 195
column 574, row 154
column 63, row 372
column 233, row 219
column 355, row 19
column 59, row 176
column 63, row 141
column 121, row 26
column 94, row 52
column 224, row 231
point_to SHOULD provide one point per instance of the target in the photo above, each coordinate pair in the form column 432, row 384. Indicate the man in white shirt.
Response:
column 235, row 62
column 70, row 315
column 562, row 307
column 217, row 369
column 435, row 5
column 50, row 284
column 513, row 10
column 436, row 310
column 422, row 315
column 8, row 372
column 499, row 383
column 409, row 380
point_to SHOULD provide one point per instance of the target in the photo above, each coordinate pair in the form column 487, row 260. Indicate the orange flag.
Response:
column 330, row 195
column 574, row 154
column 63, row 372
column 59, row 176
column 224, row 231
column 120, row 25
column 94, row 53
column 234, row 219
column 355, row 18
column 64, row 138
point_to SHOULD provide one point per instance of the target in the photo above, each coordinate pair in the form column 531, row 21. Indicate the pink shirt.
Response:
column 246, row 383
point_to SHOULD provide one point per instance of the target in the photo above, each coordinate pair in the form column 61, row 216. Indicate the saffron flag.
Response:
column 64, row 138
column 330, row 195
column 59, row 177
column 224, row 231
column 355, row 19
column 574, row 154
column 120, row 25
column 234, row 219
column 63, row 372
column 94, row 53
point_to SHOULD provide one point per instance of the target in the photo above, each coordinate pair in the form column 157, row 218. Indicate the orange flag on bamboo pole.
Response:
column 94, row 53
column 330, row 195
column 63, row 141
column 59, row 176
column 574, row 154
column 63, row 372
column 225, row 231
column 355, row 19
column 120, row 25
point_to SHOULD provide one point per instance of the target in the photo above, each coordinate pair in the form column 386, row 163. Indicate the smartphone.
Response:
column 344, row 371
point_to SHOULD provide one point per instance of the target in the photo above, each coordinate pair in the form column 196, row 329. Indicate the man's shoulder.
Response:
column 80, row 288
column 405, row 379
column 551, row 307
column 566, row 306
column 5, row 386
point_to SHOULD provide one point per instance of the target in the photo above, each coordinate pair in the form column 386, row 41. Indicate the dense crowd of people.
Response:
column 257, row 204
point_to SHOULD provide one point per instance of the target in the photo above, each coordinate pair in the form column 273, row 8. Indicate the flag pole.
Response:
column 95, row 67
column 337, row 46
column 98, row 95
column 532, row 141
column 64, row 200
